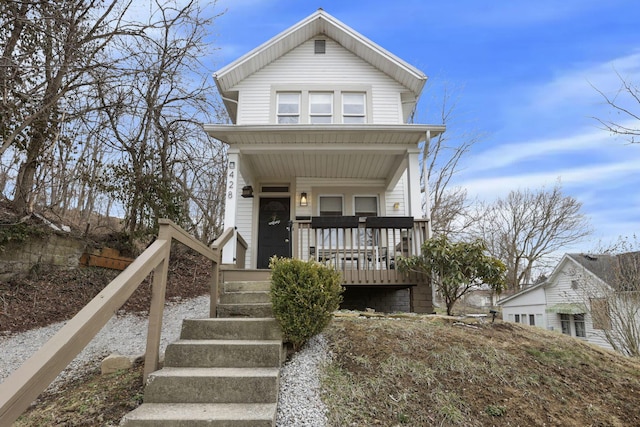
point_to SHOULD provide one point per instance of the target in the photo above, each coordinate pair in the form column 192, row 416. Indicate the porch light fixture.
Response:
column 247, row 191
column 396, row 206
column 303, row 199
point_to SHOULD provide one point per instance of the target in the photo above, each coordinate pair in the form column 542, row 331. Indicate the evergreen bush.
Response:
column 304, row 295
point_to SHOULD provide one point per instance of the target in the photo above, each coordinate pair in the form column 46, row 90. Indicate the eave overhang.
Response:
column 330, row 134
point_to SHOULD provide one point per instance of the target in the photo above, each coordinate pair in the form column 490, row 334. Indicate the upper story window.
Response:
column 289, row 107
column 320, row 107
column 353, row 107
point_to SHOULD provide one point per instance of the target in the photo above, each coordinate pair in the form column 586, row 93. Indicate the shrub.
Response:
column 304, row 295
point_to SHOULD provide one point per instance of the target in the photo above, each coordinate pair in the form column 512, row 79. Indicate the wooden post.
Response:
column 156, row 309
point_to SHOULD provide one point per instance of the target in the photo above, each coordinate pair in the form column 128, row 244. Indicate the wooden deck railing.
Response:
column 364, row 250
column 25, row 384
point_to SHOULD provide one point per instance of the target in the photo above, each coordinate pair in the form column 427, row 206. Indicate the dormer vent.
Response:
column 320, row 46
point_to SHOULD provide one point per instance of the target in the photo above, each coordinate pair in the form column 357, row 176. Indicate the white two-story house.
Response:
column 323, row 160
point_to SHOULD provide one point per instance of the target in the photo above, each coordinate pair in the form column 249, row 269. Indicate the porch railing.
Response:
column 365, row 250
column 25, row 384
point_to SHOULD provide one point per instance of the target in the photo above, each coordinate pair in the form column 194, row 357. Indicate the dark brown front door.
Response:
column 273, row 233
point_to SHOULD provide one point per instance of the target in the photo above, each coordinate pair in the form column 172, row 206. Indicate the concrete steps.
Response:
column 222, row 372
column 245, row 299
column 223, row 353
column 201, row 415
column 213, row 385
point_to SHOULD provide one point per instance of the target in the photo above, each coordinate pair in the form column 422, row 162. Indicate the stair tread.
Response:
column 235, row 319
column 247, row 303
column 170, row 371
column 203, row 411
column 239, row 342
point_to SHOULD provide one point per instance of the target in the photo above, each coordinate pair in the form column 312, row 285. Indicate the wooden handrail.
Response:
column 25, row 384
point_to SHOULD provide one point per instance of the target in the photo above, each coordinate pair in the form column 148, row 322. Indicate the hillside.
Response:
column 414, row 371
column 424, row 372
column 436, row 371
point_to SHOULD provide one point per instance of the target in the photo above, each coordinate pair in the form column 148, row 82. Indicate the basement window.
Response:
column 320, row 46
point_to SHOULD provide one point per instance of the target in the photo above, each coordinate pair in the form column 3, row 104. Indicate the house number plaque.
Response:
column 230, row 180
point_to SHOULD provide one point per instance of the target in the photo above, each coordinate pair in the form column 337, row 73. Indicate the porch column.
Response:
column 425, row 174
column 231, row 205
column 413, row 178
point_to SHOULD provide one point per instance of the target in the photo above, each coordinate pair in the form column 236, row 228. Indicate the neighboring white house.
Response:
column 576, row 300
column 320, row 128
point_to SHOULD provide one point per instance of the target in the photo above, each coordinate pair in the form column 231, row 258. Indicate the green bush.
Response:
column 304, row 295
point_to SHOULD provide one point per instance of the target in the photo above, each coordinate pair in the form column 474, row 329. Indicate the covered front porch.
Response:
column 366, row 252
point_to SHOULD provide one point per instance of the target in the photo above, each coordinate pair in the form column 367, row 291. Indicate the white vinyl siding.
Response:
column 562, row 291
column 302, row 68
column 526, row 305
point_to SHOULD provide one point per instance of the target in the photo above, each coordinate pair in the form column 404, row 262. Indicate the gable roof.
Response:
column 600, row 265
column 319, row 22
column 621, row 271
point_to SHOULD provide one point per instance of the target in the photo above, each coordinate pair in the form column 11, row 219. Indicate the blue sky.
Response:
column 522, row 73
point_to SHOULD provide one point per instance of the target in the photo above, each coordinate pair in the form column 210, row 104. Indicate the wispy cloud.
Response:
column 512, row 153
column 576, row 86
column 584, row 176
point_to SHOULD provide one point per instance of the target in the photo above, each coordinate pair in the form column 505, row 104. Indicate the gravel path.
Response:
column 298, row 405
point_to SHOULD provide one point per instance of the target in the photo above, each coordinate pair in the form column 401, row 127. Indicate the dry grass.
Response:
column 433, row 372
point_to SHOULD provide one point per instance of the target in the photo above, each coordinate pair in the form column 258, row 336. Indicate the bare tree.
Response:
column 155, row 103
column 449, row 205
column 614, row 303
column 527, row 227
column 49, row 48
column 625, row 104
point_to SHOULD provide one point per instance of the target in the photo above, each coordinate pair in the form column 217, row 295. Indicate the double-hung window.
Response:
column 321, row 107
column 353, row 107
column 288, row 107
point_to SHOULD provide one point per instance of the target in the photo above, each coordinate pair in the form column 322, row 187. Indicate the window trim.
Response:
column 304, row 106
column 342, row 206
column 364, row 106
column 279, row 114
column 330, row 114
column 373, row 196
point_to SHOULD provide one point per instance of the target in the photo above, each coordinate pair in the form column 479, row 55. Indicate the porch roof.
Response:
column 359, row 134
column 335, row 151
